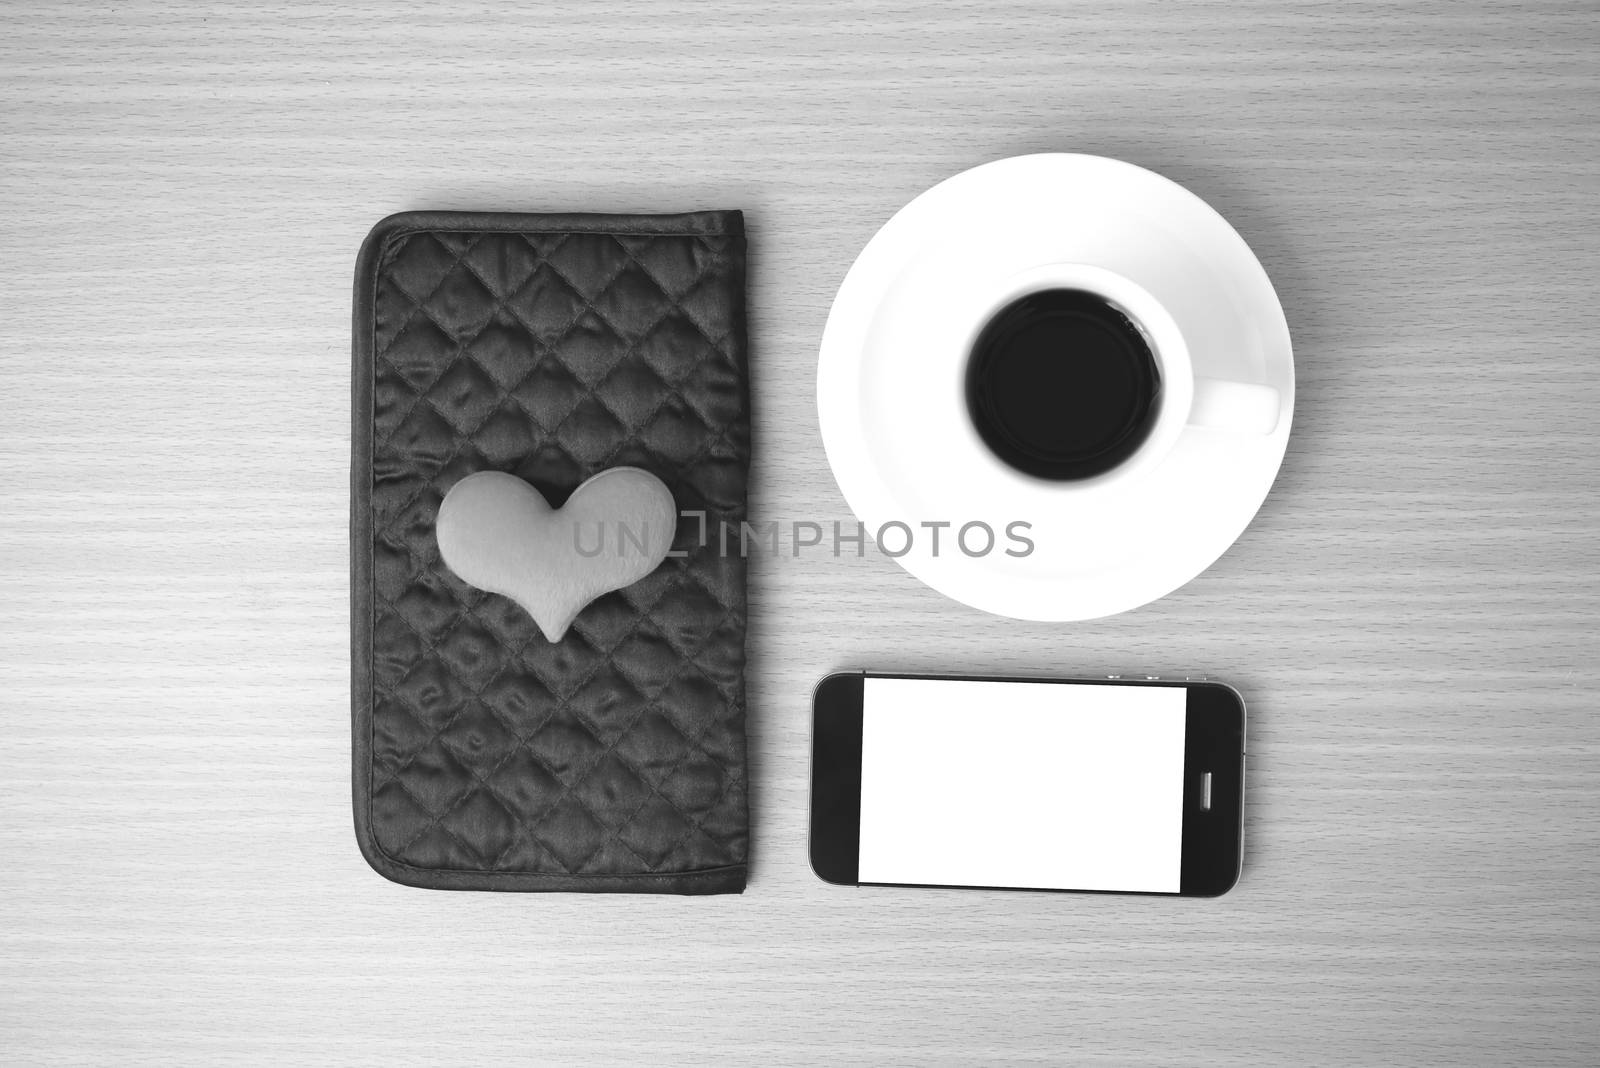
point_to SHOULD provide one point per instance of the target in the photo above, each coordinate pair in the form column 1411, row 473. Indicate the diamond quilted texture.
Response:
column 553, row 348
column 649, row 662
column 472, row 654
column 591, row 348
column 524, row 784
column 396, row 649
column 631, row 392
column 612, row 787
column 547, row 395
column 666, row 336
column 569, row 748
column 466, row 392
column 591, row 435
column 434, row 779
column 502, row 266
column 426, row 267
column 633, row 304
column 422, row 440
column 588, row 263
column 482, row 824
column 461, row 305
column 399, row 819
column 656, row 830
column 429, row 693
column 571, row 833
column 427, row 607
column 545, row 306
column 413, row 353
column 479, row 740
column 503, row 350
column 653, row 746
column 674, row 266
column 396, row 735
column 693, row 785
column 505, row 436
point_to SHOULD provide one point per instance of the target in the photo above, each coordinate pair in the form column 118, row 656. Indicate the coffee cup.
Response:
column 1076, row 375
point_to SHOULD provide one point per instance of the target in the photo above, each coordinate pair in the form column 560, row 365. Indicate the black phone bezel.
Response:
column 1213, row 741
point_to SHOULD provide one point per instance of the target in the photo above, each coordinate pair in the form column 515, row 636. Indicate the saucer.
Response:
column 893, row 411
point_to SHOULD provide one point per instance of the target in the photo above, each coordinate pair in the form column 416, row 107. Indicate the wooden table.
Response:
column 1413, row 614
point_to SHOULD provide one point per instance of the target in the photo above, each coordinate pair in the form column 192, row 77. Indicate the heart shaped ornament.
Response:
column 499, row 534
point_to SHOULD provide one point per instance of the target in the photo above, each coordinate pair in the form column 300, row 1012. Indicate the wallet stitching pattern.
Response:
column 422, row 398
column 466, row 609
column 607, row 659
column 610, row 750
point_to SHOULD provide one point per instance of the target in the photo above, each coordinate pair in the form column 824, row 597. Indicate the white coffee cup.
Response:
column 1184, row 400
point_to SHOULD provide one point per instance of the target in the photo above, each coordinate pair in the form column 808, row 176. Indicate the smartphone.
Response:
column 1103, row 786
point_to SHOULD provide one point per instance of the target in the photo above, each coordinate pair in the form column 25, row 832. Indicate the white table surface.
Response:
column 1412, row 616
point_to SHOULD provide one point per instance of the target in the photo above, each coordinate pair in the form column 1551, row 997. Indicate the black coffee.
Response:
column 1062, row 385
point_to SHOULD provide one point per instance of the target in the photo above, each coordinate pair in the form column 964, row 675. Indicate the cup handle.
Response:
column 1244, row 407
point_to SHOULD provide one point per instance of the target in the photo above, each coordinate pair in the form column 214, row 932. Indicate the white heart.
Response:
column 499, row 534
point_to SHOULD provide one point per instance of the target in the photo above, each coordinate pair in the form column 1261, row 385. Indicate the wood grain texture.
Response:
column 1412, row 616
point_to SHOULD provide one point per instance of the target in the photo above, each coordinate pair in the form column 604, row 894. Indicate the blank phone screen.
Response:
column 1022, row 784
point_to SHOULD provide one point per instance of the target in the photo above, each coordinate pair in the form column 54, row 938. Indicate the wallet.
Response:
column 486, row 757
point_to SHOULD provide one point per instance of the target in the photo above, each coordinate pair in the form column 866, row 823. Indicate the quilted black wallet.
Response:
column 550, row 347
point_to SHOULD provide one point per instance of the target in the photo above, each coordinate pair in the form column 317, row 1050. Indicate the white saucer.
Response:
column 893, row 412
